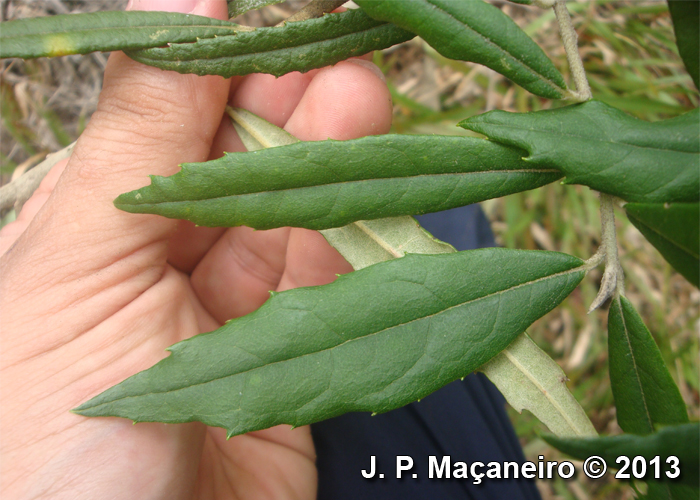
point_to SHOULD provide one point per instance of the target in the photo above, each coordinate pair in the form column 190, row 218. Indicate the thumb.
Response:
column 147, row 122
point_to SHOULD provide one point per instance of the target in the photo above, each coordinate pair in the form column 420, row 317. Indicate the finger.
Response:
column 311, row 261
column 190, row 243
column 347, row 101
column 147, row 122
column 10, row 233
column 236, row 275
column 271, row 98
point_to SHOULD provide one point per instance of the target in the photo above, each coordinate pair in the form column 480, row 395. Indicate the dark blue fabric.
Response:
column 465, row 420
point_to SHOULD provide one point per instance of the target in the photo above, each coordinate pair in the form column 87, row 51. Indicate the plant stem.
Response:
column 613, row 276
column 544, row 4
column 613, row 282
column 21, row 189
column 570, row 39
column 314, row 9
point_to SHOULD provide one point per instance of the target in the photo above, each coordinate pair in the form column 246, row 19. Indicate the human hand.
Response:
column 91, row 295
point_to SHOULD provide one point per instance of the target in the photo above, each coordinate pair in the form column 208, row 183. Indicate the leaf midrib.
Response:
column 637, row 378
column 547, row 394
column 533, row 71
column 587, row 138
column 330, row 184
column 253, row 50
column 385, row 245
column 528, row 283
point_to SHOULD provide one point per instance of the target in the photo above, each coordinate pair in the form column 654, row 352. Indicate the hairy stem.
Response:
column 570, row 39
column 313, row 10
column 613, row 276
column 613, row 282
column 544, row 4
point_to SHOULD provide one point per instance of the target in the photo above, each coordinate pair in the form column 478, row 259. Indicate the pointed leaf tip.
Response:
column 321, row 185
column 601, row 147
column 314, row 362
column 478, row 32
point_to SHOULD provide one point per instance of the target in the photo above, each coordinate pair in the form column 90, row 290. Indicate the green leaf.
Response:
column 669, row 491
column 361, row 243
column 105, row 31
column 298, row 359
column 318, row 185
column 686, row 19
column 525, row 375
column 645, row 394
column 478, row 32
column 675, row 232
column 603, row 148
column 676, row 440
column 238, row 7
column 298, row 46
column 530, row 380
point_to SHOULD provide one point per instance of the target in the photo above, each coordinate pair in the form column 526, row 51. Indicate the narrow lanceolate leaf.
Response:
column 525, row 375
column 673, row 441
column 361, row 243
column 475, row 31
column 319, row 185
column 645, row 394
column 686, row 18
column 238, row 7
column 411, row 328
column 105, row 31
column 605, row 149
column 299, row 46
column 530, row 380
column 674, row 229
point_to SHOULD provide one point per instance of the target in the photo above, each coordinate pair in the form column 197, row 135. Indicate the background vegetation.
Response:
column 632, row 63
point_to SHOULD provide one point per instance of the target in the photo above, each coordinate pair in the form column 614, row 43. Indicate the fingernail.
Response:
column 370, row 66
column 182, row 6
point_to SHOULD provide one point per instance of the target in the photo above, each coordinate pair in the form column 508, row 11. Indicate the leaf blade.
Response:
column 674, row 440
column 601, row 147
column 318, row 185
column 243, row 380
column 478, row 32
column 645, row 394
column 299, row 46
column 104, row 31
column 525, row 375
column 530, row 380
column 674, row 231
column 686, row 17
